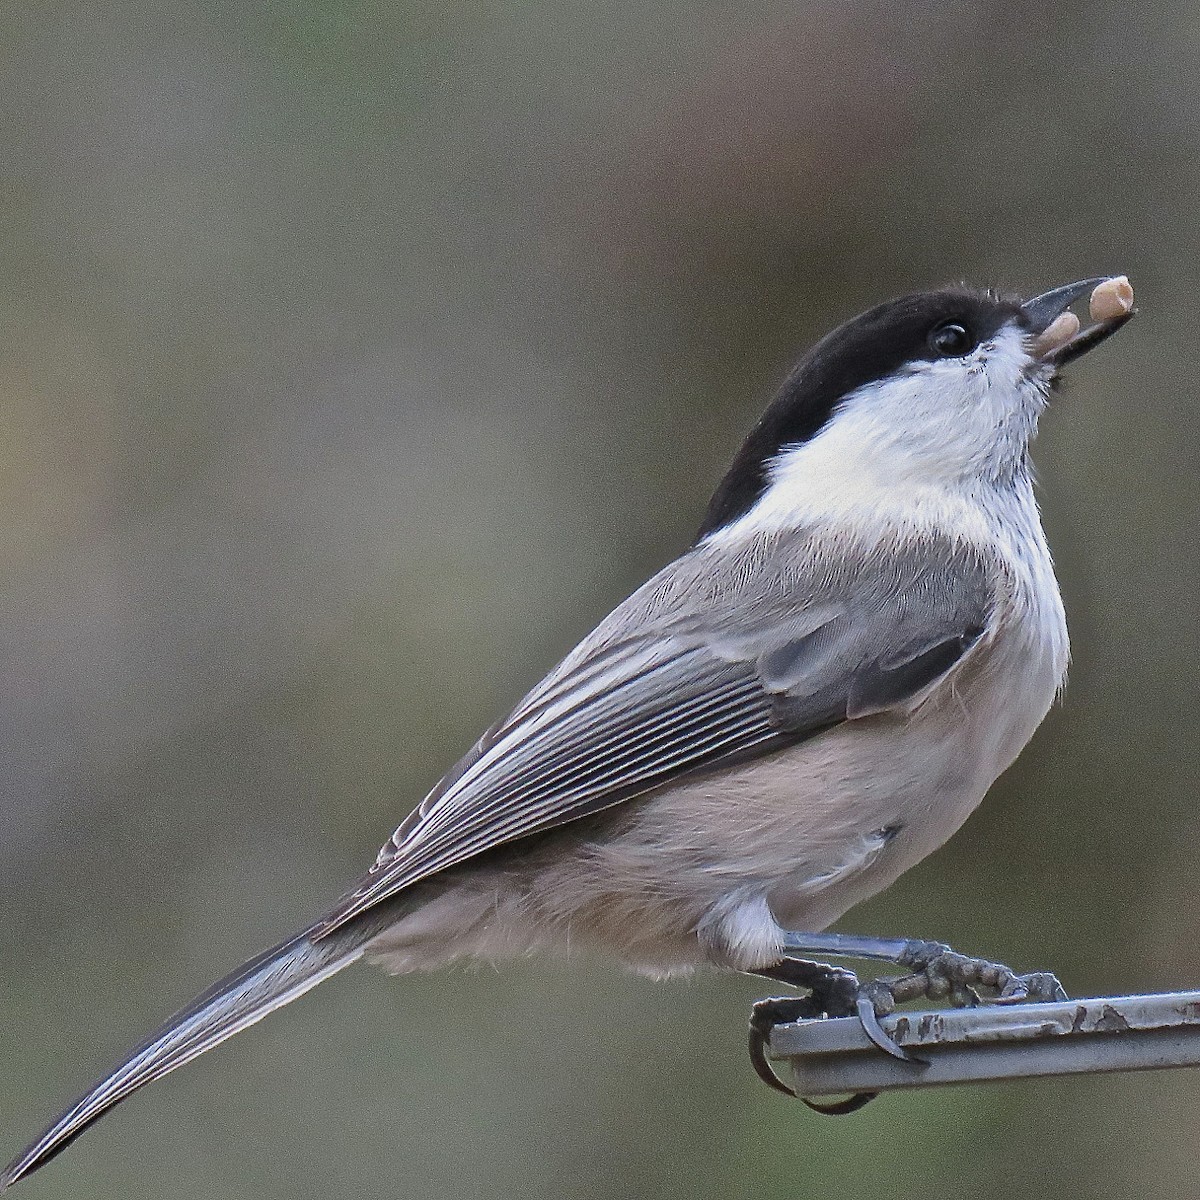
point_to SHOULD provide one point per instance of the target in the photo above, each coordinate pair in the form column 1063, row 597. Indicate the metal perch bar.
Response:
column 973, row 1045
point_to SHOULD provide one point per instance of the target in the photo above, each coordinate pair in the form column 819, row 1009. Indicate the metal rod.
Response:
column 974, row 1045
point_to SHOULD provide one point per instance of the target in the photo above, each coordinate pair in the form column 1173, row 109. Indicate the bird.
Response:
column 863, row 635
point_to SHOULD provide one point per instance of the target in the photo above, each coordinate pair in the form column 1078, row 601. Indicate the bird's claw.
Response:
column 833, row 992
column 944, row 974
column 965, row 981
column 876, row 999
column 937, row 973
column 1036, row 987
column 764, row 1016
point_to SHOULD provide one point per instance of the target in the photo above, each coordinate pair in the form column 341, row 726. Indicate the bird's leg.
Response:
column 938, row 973
column 832, row 992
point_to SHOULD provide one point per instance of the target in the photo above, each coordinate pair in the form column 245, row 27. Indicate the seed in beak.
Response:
column 1058, row 333
column 1112, row 298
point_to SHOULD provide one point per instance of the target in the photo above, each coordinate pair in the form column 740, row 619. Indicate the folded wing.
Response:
column 716, row 660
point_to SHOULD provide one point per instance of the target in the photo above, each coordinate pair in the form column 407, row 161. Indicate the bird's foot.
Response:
column 832, row 992
column 940, row 973
column 937, row 973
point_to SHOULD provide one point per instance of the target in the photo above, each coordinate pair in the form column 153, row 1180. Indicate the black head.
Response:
column 919, row 328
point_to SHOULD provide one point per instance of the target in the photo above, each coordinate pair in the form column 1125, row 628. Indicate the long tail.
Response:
column 273, row 979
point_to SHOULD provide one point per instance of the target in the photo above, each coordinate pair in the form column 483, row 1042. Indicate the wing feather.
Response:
column 662, row 689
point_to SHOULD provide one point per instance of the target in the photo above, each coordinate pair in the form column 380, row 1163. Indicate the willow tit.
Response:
column 865, row 633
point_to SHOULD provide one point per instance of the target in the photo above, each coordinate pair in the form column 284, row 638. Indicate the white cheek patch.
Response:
column 913, row 445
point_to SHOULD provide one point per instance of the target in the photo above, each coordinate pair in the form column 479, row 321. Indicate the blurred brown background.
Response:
column 357, row 358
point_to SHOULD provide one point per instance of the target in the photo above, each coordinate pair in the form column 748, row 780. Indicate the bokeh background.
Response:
column 356, row 358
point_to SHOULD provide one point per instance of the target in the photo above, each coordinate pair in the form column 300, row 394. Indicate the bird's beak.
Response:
column 1056, row 333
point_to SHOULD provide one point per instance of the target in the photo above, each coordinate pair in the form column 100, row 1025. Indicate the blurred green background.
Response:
column 356, row 359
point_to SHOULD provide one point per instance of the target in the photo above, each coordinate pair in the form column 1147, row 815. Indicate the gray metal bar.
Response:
column 972, row 1045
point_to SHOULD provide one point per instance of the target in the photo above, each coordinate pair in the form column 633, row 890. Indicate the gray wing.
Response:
column 718, row 659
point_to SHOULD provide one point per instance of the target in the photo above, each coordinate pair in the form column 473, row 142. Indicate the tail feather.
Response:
column 273, row 979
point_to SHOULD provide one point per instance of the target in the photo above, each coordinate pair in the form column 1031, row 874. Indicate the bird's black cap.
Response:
column 870, row 347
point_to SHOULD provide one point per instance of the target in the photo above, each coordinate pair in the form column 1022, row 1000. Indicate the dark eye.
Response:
column 951, row 340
